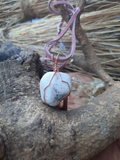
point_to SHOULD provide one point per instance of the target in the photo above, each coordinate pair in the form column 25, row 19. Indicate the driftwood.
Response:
column 8, row 50
column 31, row 130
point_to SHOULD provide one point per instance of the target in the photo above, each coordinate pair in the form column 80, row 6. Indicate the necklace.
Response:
column 55, row 87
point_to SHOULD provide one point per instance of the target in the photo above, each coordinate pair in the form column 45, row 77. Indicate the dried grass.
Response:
column 17, row 11
column 21, row 10
column 102, row 27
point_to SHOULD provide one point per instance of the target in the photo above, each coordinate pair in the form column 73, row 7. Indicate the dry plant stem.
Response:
column 90, row 63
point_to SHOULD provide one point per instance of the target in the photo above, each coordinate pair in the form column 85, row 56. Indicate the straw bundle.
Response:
column 20, row 10
column 102, row 27
column 14, row 11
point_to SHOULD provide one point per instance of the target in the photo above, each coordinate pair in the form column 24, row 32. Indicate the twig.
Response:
column 90, row 63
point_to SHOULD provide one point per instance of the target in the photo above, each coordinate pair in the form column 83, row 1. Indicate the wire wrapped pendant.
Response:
column 54, row 87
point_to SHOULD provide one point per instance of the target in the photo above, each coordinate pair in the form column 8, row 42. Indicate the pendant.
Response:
column 55, row 87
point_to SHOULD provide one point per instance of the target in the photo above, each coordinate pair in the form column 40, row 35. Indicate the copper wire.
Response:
column 56, row 70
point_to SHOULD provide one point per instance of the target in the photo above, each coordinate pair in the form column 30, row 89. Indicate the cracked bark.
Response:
column 90, row 63
column 31, row 130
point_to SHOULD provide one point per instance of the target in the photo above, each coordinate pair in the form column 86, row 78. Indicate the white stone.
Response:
column 57, row 90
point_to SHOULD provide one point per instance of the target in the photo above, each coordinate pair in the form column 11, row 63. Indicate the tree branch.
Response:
column 90, row 63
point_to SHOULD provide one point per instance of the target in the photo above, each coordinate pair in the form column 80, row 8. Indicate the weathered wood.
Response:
column 31, row 130
column 8, row 50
